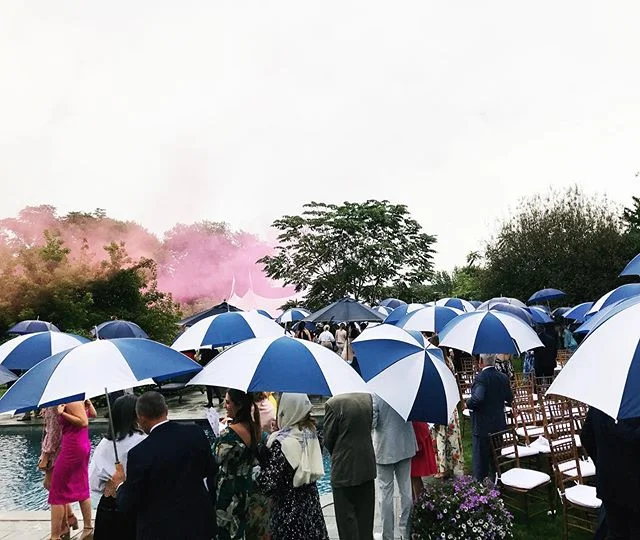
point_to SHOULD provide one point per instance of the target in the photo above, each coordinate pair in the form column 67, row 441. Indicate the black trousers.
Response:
column 481, row 458
column 355, row 509
column 622, row 523
column 111, row 524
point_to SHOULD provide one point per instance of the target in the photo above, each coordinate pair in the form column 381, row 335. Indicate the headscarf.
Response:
column 300, row 447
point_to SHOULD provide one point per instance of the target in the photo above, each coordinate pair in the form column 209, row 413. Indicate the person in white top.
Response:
column 326, row 338
column 109, row 522
column 341, row 338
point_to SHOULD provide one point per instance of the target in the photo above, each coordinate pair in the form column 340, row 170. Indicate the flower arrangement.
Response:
column 460, row 509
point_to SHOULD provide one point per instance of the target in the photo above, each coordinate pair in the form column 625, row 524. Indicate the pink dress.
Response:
column 70, row 478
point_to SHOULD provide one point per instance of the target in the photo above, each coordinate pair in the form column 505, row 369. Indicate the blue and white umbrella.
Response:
column 226, row 329
column 24, row 352
column 86, row 370
column 632, row 268
column 384, row 311
column 119, row 329
column 545, row 295
column 578, row 313
column 392, row 303
column 281, row 364
column 293, row 315
column 407, row 373
column 605, row 369
column 400, row 312
column 456, row 303
column 620, row 293
column 31, row 326
column 593, row 321
column 6, row 375
column 263, row 313
column 428, row 319
column 539, row 315
column 502, row 300
column 519, row 312
column 489, row 332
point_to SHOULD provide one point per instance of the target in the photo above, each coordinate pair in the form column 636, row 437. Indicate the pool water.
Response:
column 21, row 481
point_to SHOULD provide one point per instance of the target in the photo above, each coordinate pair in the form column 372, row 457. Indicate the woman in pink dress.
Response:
column 70, row 478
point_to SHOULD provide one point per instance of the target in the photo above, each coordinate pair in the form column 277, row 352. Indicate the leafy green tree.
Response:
column 330, row 251
column 563, row 240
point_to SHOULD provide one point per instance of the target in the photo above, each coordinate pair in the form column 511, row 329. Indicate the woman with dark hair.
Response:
column 110, row 523
column 236, row 453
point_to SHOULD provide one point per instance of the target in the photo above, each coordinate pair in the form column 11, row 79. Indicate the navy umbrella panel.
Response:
column 119, row 329
column 545, row 295
column 346, row 310
column 24, row 352
column 578, row 313
column 392, row 303
column 539, row 315
column 33, row 326
column 519, row 312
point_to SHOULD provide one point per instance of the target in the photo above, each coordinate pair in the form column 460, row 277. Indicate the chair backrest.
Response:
column 542, row 384
column 504, row 448
column 566, row 464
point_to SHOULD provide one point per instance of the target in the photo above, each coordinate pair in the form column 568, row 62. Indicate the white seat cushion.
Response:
column 532, row 431
column 523, row 451
column 524, row 478
column 587, row 468
column 583, row 496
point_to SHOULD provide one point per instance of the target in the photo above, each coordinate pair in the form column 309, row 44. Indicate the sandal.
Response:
column 87, row 533
column 72, row 520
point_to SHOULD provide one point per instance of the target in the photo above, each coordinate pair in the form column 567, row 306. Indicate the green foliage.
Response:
column 563, row 240
column 331, row 251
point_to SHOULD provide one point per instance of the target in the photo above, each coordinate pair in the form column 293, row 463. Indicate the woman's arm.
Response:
column 74, row 413
column 90, row 408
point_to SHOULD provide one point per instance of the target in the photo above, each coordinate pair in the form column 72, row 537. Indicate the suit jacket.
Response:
column 165, row 486
column 347, row 437
column 545, row 357
column 394, row 439
column 615, row 449
column 489, row 394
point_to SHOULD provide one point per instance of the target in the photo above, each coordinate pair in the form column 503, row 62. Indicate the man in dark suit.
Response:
column 489, row 394
column 544, row 361
column 165, row 478
column 348, row 420
column 615, row 450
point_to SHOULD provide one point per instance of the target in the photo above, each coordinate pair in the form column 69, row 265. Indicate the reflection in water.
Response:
column 21, row 481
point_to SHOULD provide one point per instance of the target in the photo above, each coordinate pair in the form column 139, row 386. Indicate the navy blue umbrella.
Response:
column 519, row 312
column 578, row 313
column 345, row 310
column 392, row 303
column 545, row 295
column 33, row 326
column 539, row 315
column 119, row 329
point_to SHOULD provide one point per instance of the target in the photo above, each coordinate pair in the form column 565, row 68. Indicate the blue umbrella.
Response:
column 417, row 384
column 457, row 303
column 400, row 312
column 475, row 303
column 578, row 313
column 32, row 326
column 281, row 364
column 593, row 321
column 86, row 370
column 632, row 268
column 24, row 352
column 392, row 303
column 501, row 300
column 346, row 310
column 559, row 312
column 293, row 315
column 6, row 375
column 428, row 319
column 264, row 313
column 384, row 311
column 119, row 329
column 538, row 315
column 519, row 312
column 544, row 295
column 617, row 294
column 226, row 329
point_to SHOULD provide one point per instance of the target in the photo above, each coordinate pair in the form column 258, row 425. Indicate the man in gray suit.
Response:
column 347, row 436
column 395, row 444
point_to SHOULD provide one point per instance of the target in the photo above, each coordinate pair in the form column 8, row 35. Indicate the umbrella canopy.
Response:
column 632, row 268
column 401, row 312
column 613, row 386
column 119, row 329
column 6, row 375
column 224, row 307
column 519, row 312
column 346, row 310
column 501, row 300
column 593, row 321
column 226, row 329
column 32, row 326
column 489, row 332
column 24, row 352
column 456, row 303
column 578, row 313
column 86, row 370
column 428, row 319
column 384, row 311
column 292, row 315
column 281, row 364
column 392, row 303
column 544, row 295
column 262, row 312
column 539, row 315
column 617, row 294
column 475, row 303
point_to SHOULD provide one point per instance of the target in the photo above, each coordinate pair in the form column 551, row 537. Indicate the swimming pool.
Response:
column 21, row 482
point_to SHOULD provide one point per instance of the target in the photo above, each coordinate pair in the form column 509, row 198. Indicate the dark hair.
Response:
column 151, row 405
column 123, row 413
column 246, row 412
column 434, row 340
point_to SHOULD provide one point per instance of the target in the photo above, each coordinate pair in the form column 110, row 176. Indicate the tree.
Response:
column 563, row 240
column 331, row 251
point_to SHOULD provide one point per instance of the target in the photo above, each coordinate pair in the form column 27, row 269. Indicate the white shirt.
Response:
column 102, row 464
column 326, row 336
column 158, row 424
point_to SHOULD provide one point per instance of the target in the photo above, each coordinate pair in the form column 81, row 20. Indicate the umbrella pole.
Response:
column 113, row 432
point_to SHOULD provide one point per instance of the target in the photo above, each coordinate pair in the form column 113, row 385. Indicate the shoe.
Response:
column 72, row 521
column 87, row 533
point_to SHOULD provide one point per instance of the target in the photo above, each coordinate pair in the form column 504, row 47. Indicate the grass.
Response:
column 539, row 527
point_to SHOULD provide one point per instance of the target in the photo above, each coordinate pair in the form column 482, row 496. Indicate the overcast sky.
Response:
column 166, row 112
